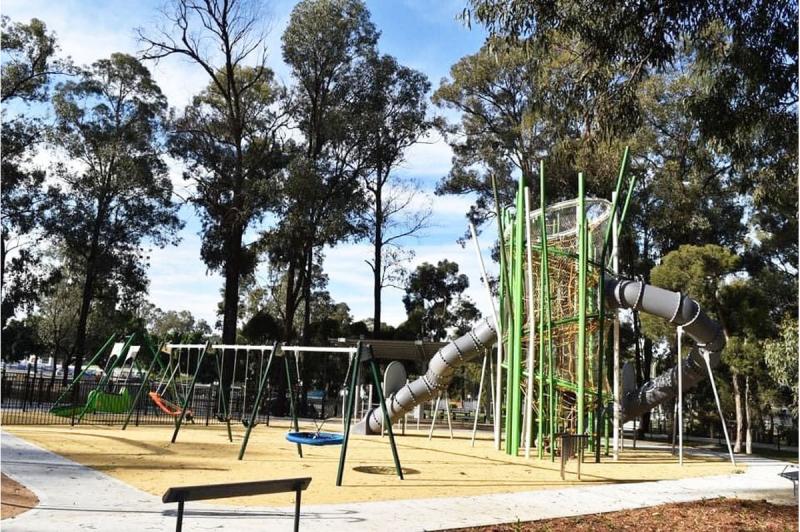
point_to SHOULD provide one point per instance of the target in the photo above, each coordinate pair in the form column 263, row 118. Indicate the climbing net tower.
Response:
column 551, row 314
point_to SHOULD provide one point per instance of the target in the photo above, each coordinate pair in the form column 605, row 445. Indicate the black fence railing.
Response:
column 27, row 399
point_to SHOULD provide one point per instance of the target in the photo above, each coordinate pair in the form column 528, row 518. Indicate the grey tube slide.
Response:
column 679, row 310
column 438, row 377
column 674, row 307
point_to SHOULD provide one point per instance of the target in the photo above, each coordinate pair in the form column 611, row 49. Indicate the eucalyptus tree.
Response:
column 501, row 130
column 435, row 302
column 230, row 135
column 112, row 194
column 29, row 62
column 323, row 44
column 393, row 118
column 746, row 54
column 780, row 354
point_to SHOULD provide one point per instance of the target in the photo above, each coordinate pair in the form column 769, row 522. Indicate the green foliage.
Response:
column 780, row 355
column 696, row 270
column 434, row 300
column 176, row 326
column 503, row 127
column 19, row 341
column 392, row 118
column 28, row 60
column 229, row 136
column 324, row 45
column 28, row 53
column 743, row 55
column 114, row 195
column 234, row 169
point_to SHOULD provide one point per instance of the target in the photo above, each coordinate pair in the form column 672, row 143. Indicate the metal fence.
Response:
column 27, row 399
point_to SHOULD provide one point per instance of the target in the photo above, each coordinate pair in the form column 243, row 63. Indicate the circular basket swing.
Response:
column 315, row 438
column 318, row 437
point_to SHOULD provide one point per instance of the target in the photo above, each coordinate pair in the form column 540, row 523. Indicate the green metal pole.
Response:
column 88, row 364
column 581, row 301
column 508, row 326
column 145, row 381
column 386, row 421
column 631, row 186
column 518, row 316
column 292, row 408
column 547, row 310
column 263, row 381
column 221, row 393
column 545, row 322
column 186, row 399
column 601, row 311
column 351, row 391
column 540, row 399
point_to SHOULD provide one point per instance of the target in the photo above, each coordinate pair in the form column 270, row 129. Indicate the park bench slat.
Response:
column 183, row 494
column 236, row 489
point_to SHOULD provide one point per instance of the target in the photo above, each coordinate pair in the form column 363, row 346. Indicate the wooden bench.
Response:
column 182, row 494
column 572, row 444
column 790, row 472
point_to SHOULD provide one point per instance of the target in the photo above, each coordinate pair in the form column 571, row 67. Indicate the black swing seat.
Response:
column 315, row 438
column 246, row 423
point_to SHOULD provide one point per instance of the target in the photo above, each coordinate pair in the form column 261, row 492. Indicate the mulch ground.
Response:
column 715, row 515
column 15, row 498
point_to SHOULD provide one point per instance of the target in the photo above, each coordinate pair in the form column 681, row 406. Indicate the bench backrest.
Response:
column 236, row 489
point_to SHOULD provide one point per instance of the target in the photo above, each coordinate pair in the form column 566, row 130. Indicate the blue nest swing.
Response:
column 315, row 438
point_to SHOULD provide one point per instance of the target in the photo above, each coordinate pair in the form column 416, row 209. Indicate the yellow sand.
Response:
column 144, row 458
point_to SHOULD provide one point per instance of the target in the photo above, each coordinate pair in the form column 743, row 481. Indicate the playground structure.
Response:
column 558, row 296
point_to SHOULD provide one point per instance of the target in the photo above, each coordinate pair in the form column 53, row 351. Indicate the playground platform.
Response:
column 74, row 497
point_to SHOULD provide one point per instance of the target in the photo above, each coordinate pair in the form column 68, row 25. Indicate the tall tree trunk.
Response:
column 376, row 273
column 3, row 315
column 737, row 398
column 748, row 448
column 88, row 291
column 647, row 364
column 289, row 307
column 309, row 279
column 230, row 309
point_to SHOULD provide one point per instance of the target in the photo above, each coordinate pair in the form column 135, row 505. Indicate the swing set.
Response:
column 227, row 400
column 227, row 397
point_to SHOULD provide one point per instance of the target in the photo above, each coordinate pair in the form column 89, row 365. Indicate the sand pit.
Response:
column 143, row 457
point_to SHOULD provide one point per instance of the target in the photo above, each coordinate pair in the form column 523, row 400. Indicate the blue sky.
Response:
column 422, row 34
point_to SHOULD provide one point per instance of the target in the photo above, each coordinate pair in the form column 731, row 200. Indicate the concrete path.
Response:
column 74, row 497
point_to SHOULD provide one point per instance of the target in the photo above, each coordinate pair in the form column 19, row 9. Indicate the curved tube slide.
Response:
column 679, row 310
column 437, row 378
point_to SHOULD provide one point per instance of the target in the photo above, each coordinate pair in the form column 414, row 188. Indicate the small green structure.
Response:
column 103, row 398
column 553, row 262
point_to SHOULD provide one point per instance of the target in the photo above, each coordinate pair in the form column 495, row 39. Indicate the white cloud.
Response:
column 429, row 158
column 179, row 280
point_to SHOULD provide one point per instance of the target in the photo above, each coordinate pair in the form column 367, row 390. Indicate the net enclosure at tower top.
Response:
column 561, row 223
